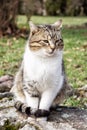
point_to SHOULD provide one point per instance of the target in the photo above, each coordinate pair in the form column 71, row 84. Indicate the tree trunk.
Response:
column 8, row 12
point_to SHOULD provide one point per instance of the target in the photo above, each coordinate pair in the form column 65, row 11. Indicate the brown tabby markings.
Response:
column 42, row 37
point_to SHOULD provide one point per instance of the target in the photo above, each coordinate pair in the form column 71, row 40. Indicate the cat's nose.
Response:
column 52, row 46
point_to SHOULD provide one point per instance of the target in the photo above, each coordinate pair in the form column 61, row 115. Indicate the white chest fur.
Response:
column 47, row 72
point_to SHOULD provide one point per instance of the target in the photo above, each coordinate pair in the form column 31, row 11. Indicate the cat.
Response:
column 41, row 81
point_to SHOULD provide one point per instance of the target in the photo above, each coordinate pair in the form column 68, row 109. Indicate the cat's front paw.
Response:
column 42, row 113
column 33, row 111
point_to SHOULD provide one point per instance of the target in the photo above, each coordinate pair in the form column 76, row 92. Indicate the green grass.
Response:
column 51, row 19
column 75, row 55
column 75, row 52
column 11, row 51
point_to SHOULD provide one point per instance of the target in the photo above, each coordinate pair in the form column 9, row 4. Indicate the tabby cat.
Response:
column 41, row 81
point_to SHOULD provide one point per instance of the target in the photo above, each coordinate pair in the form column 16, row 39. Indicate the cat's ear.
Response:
column 33, row 27
column 58, row 24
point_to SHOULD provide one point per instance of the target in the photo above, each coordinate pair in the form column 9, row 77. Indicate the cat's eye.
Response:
column 56, row 41
column 59, row 41
column 46, row 41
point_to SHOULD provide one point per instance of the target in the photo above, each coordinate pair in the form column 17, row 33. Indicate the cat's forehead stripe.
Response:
column 46, row 27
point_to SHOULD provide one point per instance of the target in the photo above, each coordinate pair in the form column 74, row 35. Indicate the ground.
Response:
column 75, row 51
column 62, row 118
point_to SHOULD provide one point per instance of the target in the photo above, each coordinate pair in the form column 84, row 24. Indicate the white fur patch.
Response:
column 46, row 71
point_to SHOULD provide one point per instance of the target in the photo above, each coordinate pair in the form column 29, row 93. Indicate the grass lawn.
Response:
column 21, row 20
column 75, row 52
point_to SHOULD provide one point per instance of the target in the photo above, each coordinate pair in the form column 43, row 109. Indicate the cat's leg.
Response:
column 31, row 93
column 32, row 101
column 45, row 103
column 47, row 98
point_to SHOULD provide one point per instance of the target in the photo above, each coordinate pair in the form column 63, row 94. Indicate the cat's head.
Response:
column 46, row 40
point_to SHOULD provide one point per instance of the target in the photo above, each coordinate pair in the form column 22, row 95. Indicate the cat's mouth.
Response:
column 50, row 53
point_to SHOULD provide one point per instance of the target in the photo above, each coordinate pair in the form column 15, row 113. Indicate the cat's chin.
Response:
column 49, row 54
